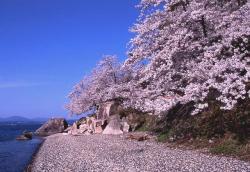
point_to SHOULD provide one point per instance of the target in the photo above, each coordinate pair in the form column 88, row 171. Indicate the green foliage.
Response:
column 212, row 123
column 229, row 130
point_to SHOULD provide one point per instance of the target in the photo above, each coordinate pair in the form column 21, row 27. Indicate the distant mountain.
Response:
column 15, row 119
column 22, row 119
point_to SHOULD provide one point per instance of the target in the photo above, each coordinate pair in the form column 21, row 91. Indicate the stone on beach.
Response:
column 74, row 130
column 138, row 136
column 22, row 137
column 25, row 136
column 53, row 126
column 114, row 126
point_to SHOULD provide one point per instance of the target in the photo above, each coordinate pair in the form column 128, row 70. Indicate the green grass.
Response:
column 232, row 147
column 143, row 128
column 228, row 147
column 162, row 137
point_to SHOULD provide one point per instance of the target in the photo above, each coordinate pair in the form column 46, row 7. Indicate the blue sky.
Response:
column 46, row 46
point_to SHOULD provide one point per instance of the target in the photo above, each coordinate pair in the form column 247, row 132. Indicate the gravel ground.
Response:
column 102, row 153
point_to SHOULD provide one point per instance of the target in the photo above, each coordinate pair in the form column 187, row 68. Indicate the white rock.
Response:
column 74, row 130
column 114, row 126
column 125, row 127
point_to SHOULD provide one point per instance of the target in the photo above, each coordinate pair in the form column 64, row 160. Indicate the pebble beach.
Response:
column 66, row 153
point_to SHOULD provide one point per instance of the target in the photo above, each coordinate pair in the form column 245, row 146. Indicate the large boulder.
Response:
column 107, row 109
column 53, row 126
column 74, row 131
column 114, row 126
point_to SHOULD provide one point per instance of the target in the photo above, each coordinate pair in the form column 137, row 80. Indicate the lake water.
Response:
column 16, row 155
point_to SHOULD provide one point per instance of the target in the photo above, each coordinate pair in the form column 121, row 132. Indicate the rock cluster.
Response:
column 113, row 125
column 85, row 127
column 53, row 126
column 106, row 121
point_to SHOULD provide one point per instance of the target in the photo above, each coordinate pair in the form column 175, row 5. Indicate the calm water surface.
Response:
column 15, row 155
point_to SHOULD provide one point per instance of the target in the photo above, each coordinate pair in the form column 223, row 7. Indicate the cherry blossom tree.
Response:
column 182, row 50
column 191, row 46
column 96, row 87
column 107, row 81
